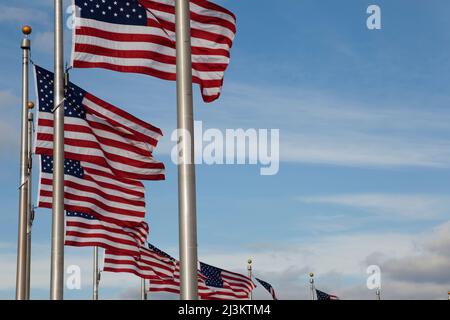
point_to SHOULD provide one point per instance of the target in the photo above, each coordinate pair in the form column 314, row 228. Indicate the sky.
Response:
column 364, row 126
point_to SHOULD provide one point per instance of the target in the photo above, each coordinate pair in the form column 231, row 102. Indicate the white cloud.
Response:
column 325, row 128
column 408, row 205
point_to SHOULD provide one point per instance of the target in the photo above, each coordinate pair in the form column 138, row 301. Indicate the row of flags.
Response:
column 108, row 152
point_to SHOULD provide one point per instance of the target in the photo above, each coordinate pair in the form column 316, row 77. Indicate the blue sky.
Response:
column 365, row 158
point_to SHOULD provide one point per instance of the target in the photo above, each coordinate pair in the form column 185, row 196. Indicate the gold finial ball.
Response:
column 311, row 274
column 249, row 261
column 30, row 105
column 26, row 30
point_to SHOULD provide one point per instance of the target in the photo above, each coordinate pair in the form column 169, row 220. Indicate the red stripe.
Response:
column 145, row 70
column 106, row 196
column 212, row 6
column 145, row 54
column 194, row 16
column 195, row 33
column 81, row 234
column 94, row 243
column 124, row 37
column 123, row 114
column 75, row 197
column 110, row 156
column 138, row 138
column 86, row 129
column 101, row 162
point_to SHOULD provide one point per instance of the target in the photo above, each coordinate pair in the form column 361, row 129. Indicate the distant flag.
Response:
column 92, row 190
column 97, row 132
column 148, row 265
column 226, row 284
column 325, row 296
column 268, row 287
column 138, row 36
column 84, row 230
column 213, row 283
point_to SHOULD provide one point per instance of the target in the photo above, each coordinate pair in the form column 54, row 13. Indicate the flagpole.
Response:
column 186, row 166
column 378, row 293
column 30, row 210
column 57, row 255
column 249, row 268
column 95, row 275
column 21, row 278
column 311, row 281
column 143, row 290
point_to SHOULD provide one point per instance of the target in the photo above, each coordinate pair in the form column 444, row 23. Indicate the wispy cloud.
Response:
column 407, row 205
column 325, row 128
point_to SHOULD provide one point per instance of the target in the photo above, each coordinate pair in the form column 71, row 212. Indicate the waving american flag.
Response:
column 138, row 36
column 84, row 230
column 97, row 132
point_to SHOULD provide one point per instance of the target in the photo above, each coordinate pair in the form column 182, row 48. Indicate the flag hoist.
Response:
column 249, row 269
column 22, row 292
column 57, row 253
column 186, row 166
column 30, row 208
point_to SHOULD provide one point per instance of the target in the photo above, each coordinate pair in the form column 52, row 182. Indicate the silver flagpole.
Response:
column 30, row 210
column 57, row 256
column 21, row 277
column 311, row 281
column 143, row 290
column 95, row 275
column 186, row 167
column 249, row 269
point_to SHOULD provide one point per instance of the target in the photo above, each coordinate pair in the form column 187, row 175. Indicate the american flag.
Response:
column 92, row 190
column 213, row 284
column 97, row 132
column 148, row 265
column 84, row 230
column 225, row 284
column 325, row 296
column 268, row 287
column 138, row 36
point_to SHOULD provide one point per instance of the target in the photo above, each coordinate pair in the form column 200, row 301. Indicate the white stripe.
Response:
column 212, row 28
column 148, row 63
column 87, row 183
column 100, row 211
column 95, row 152
column 94, row 196
column 200, row 10
column 123, row 121
column 143, row 30
column 151, row 47
column 104, row 147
